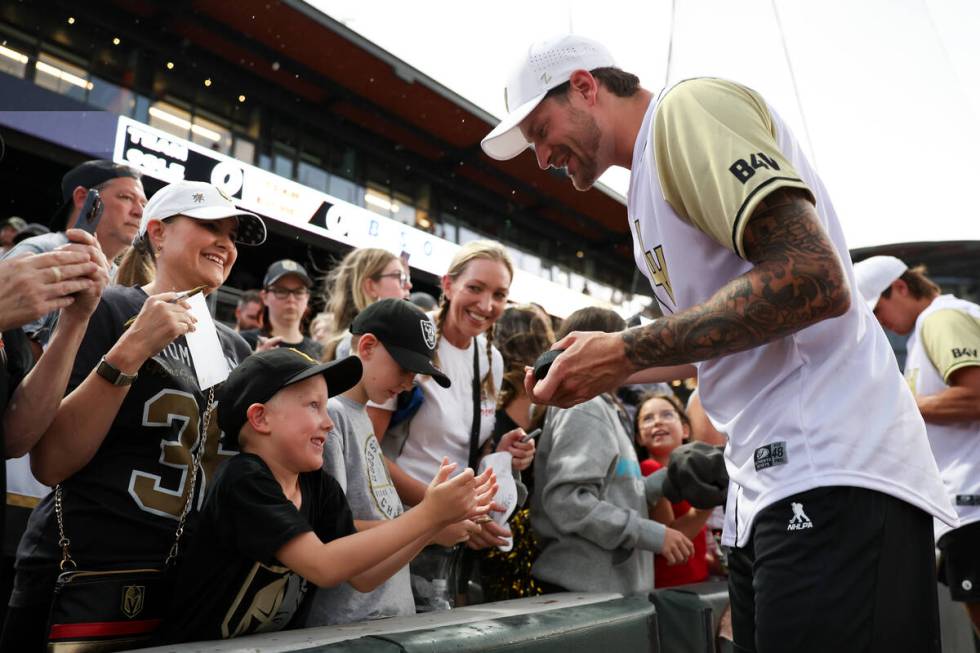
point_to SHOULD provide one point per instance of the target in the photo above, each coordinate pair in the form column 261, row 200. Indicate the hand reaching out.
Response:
column 454, row 499
column 677, row 548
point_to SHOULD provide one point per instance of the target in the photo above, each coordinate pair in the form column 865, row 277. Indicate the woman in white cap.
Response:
column 122, row 444
column 285, row 298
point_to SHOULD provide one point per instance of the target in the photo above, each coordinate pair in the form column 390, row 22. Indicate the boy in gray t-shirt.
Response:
column 395, row 341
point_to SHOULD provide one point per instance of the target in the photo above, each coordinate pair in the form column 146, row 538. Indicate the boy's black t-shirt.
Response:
column 230, row 583
column 308, row 346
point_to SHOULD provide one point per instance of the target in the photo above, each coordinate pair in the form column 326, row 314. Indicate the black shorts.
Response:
column 836, row 569
column 959, row 563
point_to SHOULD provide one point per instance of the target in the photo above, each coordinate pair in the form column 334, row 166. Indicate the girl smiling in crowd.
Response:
column 662, row 425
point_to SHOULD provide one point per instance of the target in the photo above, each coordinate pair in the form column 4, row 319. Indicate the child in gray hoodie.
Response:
column 590, row 507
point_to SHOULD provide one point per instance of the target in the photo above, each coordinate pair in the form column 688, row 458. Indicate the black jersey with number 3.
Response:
column 121, row 508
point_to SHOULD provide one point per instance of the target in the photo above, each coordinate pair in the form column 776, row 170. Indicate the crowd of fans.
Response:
column 332, row 452
column 103, row 400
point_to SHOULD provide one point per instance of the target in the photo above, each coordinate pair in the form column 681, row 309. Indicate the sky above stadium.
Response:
column 883, row 94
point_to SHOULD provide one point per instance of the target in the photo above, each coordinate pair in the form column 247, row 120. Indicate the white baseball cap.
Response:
column 201, row 201
column 546, row 64
column 874, row 275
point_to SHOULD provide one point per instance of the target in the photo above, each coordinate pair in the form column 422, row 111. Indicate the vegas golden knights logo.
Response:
column 132, row 599
column 658, row 269
column 656, row 264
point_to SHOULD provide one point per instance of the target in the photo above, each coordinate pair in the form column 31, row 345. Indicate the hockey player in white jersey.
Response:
column 747, row 260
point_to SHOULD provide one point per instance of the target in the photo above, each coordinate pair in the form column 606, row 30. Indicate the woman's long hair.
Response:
column 139, row 265
column 345, row 296
column 521, row 336
column 471, row 251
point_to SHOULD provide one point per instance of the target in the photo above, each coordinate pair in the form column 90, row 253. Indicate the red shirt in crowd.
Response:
column 695, row 570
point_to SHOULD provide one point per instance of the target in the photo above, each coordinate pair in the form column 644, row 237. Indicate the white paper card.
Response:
column 506, row 490
column 210, row 363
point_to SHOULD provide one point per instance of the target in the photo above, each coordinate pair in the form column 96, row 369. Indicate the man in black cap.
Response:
column 122, row 197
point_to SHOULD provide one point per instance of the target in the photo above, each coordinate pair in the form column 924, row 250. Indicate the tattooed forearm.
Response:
column 797, row 280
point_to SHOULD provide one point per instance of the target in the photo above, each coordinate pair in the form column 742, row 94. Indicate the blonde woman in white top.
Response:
column 474, row 295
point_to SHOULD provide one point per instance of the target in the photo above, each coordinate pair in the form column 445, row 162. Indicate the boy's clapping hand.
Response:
column 486, row 490
column 457, row 498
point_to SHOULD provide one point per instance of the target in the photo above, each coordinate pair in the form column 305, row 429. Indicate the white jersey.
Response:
column 938, row 347
column 825, row 406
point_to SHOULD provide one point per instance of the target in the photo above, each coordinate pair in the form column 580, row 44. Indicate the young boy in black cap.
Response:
column 395, row 340
column 274, row 520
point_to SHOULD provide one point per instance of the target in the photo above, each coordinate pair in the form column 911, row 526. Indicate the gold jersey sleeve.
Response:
column 952, row 340
column 717, row 156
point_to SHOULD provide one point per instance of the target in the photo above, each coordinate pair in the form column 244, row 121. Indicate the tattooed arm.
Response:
column 796, row 280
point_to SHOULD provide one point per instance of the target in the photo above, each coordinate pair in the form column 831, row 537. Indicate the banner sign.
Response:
column 170, row 158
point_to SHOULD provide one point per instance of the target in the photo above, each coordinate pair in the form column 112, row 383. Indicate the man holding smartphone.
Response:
column 122, row 198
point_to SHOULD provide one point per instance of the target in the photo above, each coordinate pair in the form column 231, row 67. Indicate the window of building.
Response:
column 62, row 77
column 378, row 201
column 141, row 110
column 560, row 276
column 312, row 176
column 466, row 235
column 530, row 263
column 110, row 97
column 13, row 61
column 284, row 161
column 210, row 134
column 346, row 190
column 447, row 230
column 424, row 222
column 403, row 209
column 244, row 150
column 170, row 118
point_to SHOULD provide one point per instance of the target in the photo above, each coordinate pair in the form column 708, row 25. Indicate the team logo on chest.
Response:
column 382, row 489
column 656, row 264
column 912, row 378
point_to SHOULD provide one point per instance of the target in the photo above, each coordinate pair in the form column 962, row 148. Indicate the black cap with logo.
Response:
column 279, row 269
column 264, row 373
column 88, row 175
column 406, row 332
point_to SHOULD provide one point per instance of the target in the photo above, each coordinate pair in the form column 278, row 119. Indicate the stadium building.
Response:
column 336, row 142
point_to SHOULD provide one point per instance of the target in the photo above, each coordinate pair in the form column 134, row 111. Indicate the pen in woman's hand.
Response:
column 176, row 298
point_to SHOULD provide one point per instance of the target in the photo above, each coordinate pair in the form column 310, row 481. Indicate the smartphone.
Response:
column 91, row 213
column 533, row 435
